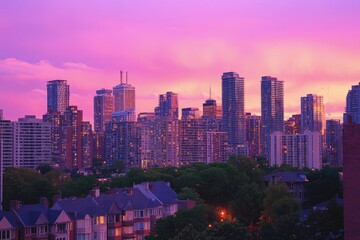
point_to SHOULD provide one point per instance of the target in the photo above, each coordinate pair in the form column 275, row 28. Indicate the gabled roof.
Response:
column 30, row 214
column 78, row 207
column 7, row 220
column 291, row 177
column 37, row 214
column 161, row 191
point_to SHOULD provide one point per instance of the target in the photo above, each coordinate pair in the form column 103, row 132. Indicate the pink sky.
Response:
column 180, row 46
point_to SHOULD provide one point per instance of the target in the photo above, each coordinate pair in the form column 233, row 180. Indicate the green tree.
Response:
column 225, row 231
column 279, row 202
column 188, row 233
column 44, row 168
column 248, row 203
column 189, row 194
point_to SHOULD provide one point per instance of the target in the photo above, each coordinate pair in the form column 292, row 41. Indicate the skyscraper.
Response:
column 353, row 105
column 298, row 150
column 6, row 136
column 253, row 134
column 58, row 92
column 312, row 113
column 1, row 114
column 293, row 124
column 32, row 142
column 168, row 106
column 334, row 143
column 190, row 112
column 124, row 96
column 211, row 109
column 103, row 109
column 233, row 110
column 272, row 110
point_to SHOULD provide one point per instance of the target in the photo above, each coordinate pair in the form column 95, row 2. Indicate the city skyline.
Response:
column 183, row 49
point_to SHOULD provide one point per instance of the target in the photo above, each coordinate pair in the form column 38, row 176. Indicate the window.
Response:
column 61, row 228
column 139, row 226
column 6, row 234
column 99, row 220
column 83, row 236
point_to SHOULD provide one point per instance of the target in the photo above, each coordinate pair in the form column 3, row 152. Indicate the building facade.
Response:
column 58, row 95
column 312, row 113
column 31, row 142
column 272, row 110
column 298, row 150
column 233, row 103
column 103, row 109
column 353, row 105
column 334, row 143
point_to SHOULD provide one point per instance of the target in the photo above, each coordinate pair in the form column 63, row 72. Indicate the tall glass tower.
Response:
column 103, row 109
column 312, row 113
column 353, row 105
column 272, row 110
column 58, row 92
column 233, row 118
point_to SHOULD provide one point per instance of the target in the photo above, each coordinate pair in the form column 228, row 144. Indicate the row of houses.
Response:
column 127, row 213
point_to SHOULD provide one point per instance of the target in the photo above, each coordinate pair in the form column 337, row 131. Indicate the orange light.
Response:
column 209, row 225
column 222, row 213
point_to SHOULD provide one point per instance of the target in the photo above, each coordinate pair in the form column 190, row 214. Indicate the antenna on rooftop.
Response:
column 121, row 76
column 126, row 78
column 210, row 90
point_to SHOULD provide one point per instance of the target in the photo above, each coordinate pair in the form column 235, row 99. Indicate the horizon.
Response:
column 181, row 47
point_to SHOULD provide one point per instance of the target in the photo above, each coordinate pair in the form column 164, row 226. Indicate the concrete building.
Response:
column 334, row 143
column 293, row 124
column 57, row 121
column 190, row 113
column 168, row 106
column 124, row 96
column 6, row 136
column 233, row 101
column 58, row 95
column 103, row 109
column 31, row 142
column 217, row 149
column 253, row 134
column 272, row 110
column 211, row 109
column 353, row 105
column 192, row 140
column 298, row 150
column 123, row 143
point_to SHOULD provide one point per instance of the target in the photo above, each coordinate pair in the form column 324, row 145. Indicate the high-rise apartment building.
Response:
column 103, row 109
column 312, row 113
column 123, row 143
column 293, row 124
column 6, row 136
column 272, row 110
column 168, row 106
column 211, row 109
column 192, row 139
column 32, row 142
column 1, row 114
column 353, row 105
column 190, row 112
column 233, row 95
column 334, row 143
column 124, row 96
column 253, row 134
column 57, row 135
column 87, row 144
column 217, row 147
column 298, row 150
column 72, row 157
column 58, row 92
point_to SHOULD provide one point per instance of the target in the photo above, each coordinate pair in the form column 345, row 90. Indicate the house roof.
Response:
column 9, row 217
column 162, row 191
column 35, row 214
column 298, row 177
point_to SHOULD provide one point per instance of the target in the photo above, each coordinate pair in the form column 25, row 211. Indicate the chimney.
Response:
column 95, row 192
column 15, row 204
column 43, row 201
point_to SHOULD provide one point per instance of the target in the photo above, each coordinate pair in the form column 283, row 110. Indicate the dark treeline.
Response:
column 232, row 200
